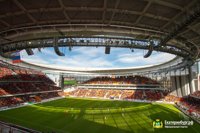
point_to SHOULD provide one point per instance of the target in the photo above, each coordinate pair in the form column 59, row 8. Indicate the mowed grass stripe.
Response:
column 81, row 115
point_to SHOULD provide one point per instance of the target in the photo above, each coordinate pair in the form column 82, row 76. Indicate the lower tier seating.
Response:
column 151, row 95
column 191, row 106
column 16, row 100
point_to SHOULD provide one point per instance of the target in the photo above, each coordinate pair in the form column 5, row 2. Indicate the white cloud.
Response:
column 138, row 58
column 89, row 51
column 36, row 60
column 87, row 57
column 80, row 61
column 47, row 52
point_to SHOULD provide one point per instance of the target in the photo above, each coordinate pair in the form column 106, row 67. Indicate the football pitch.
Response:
column 78, row 115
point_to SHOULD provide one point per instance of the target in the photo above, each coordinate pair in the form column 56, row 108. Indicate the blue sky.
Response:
column 91, row 57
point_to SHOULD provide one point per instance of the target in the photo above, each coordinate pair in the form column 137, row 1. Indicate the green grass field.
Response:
column 70, row 82
column 75, row 115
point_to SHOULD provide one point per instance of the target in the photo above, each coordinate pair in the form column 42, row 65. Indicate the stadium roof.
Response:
column 175, row 23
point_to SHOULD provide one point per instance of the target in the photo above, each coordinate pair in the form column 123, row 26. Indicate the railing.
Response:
column 19, row 81
column 195, row 96
column 122, row 86
column 12, row 128
column 27, row 104
column 28, row 93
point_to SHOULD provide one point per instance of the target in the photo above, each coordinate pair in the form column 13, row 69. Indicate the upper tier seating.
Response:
column 10, row 73
column 122, row 80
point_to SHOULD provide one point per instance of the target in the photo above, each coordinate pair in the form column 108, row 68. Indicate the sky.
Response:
column 92, row 57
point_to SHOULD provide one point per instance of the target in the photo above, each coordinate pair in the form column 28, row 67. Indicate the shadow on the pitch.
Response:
column 66, row 122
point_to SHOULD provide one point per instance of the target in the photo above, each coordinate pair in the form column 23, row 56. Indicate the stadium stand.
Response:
column 145, row 88
column 20, row 85
column 196, row 94
column 121, row 80
column 17, row 100
column 190, row 105
column 153, row 94
column 150, row 95
column 171, row 98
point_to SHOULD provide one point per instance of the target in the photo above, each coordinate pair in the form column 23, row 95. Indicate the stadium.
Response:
column 99, row 66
